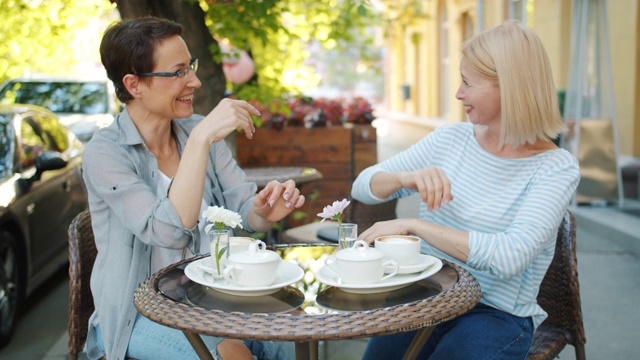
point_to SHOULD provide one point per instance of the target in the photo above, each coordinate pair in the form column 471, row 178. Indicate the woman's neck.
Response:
column 490, row 142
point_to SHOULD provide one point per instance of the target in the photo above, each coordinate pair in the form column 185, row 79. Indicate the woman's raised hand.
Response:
column 228, row 116
column 278, row 200
column 432, row 184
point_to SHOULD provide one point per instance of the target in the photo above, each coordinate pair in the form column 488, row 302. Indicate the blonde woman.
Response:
column 494, row 191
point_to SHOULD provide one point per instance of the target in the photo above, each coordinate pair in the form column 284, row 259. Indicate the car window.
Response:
column 7, row 143
column 59, row 96
column 41, row 132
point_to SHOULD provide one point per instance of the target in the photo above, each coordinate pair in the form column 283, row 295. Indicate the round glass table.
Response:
column 307, row 311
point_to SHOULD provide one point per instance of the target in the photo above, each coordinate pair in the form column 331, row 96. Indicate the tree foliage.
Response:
column 47, row 36
column 285, row 37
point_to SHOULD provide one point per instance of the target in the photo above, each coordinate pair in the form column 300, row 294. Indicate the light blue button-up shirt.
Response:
column 128, row 217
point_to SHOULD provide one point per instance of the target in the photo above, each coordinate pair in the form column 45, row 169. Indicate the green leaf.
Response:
column 362, row 11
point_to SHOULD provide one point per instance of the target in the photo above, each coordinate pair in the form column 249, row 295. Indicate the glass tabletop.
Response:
column 308, row 295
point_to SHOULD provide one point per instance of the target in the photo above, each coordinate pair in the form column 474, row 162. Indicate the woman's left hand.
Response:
column 382, row 228
column 277, row 200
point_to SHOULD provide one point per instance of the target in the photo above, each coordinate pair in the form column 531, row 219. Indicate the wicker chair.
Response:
column 82, row 254
column 367, row 215
column 560, row 297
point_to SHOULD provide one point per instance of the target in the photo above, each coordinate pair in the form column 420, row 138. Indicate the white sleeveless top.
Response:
column 163, row 257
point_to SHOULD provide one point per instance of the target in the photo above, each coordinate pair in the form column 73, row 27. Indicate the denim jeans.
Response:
column 150, row 340
column 482, row 333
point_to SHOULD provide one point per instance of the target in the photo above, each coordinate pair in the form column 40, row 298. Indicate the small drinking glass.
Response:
column 347, row 235
column 219, row 242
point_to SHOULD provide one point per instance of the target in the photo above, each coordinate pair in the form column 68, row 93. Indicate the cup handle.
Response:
column 390, row 263
column 329, row 264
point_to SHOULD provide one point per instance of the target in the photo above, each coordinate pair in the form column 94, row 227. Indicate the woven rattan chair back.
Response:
column 560, row 297
column 366, row 215
column 82, row 254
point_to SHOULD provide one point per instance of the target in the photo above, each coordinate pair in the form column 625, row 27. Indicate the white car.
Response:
column 82, row 105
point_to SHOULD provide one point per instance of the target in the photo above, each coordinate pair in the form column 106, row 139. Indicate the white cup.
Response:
column 404, row 249
column 237, row 244
column 254, row 267
column 360, row 264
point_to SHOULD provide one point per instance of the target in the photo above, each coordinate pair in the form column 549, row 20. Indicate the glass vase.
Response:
column 347, row 235
column 219, row 241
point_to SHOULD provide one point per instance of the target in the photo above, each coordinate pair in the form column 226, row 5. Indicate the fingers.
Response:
column 228, row 116
column 446, row 187
column 382, row 228
column 287, row 192
column 434, row 187
column 250, row 108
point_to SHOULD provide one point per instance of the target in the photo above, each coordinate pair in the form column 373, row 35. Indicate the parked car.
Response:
column 82, row 105
column 41, row 191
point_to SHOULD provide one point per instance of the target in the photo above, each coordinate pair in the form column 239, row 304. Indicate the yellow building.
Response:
column 423, row 57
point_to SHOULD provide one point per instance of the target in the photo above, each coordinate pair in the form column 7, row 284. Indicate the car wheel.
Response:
column 11, row 288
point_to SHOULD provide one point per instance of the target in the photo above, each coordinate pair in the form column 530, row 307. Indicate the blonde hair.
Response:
column 513, row 55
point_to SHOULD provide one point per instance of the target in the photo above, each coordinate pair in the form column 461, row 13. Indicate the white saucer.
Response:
column 201, row 271
column 423, row 263
column 393, row 283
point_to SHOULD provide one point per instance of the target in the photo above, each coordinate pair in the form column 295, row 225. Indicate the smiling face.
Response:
column 170, row 97
column 480, row 96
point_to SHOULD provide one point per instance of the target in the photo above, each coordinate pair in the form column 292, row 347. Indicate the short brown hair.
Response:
column 127, row 47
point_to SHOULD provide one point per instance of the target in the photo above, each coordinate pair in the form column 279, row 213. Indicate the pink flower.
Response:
column 334, row 211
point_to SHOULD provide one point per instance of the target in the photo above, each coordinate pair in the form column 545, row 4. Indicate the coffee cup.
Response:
column 254, row 267
column 360, row 264
column 404, row 249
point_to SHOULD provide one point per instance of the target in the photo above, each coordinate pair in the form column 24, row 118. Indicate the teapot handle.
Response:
column 360, row 243
column 256, row 246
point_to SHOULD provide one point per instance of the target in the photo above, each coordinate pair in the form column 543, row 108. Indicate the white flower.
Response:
column 221, row 218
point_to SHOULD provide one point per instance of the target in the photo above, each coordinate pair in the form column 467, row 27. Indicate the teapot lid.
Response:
column 360, row 251
column 256, row 254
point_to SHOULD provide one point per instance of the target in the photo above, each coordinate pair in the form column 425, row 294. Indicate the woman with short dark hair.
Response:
column 149, row 177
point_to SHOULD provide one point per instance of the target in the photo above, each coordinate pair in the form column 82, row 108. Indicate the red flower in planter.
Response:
column 359, row 111
column 313, row 113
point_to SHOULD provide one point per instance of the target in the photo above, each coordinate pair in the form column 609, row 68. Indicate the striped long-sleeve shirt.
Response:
column 512, row 209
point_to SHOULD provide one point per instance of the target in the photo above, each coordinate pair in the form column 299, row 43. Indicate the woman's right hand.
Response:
column 225, row 118
column 432, row 184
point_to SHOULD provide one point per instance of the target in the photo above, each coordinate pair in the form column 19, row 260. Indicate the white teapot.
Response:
column 360, row 264
column 254, row 267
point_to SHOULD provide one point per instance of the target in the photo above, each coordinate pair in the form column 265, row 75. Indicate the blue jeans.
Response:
column 150, row 340
column 482, row 333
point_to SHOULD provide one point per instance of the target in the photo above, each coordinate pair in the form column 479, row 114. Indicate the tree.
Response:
column 46, row 36
column 276, row 32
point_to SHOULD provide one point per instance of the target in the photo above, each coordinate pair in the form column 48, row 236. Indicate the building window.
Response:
column 518, row 10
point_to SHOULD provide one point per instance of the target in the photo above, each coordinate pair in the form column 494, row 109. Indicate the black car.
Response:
column 41, row 191
column 82, row 105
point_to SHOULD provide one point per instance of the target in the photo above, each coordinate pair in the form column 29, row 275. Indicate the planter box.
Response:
column 339, row 153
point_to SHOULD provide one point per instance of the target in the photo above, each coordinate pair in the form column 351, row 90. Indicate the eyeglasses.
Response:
column 180, row 74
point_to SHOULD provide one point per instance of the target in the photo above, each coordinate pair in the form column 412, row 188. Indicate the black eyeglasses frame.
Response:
column 193, row 66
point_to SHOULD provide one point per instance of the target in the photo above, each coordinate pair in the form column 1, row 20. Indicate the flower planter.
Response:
column 338, row 152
